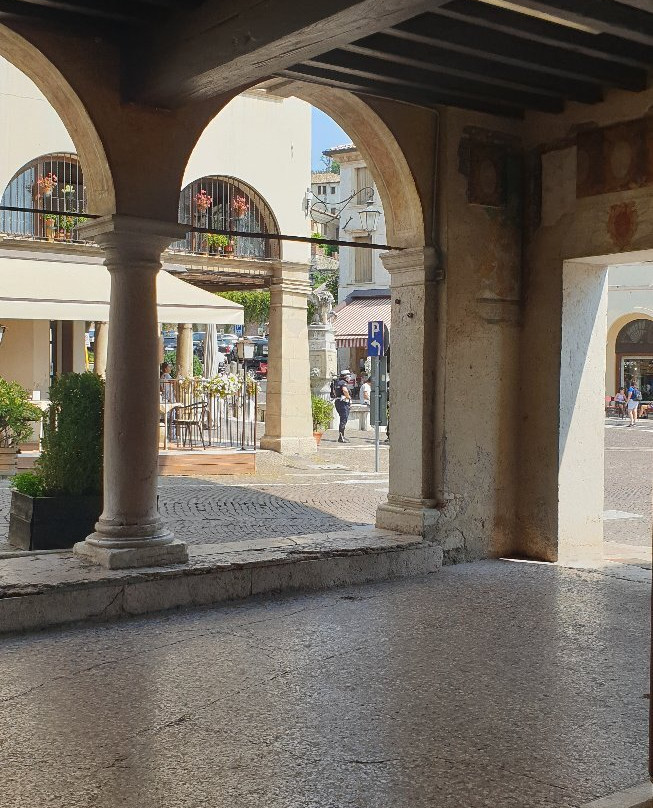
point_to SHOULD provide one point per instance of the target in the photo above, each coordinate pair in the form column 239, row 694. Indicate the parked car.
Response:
column 259, row 364
column 170, row 343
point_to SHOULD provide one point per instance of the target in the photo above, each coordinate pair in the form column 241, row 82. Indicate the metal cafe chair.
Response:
column 189, row 417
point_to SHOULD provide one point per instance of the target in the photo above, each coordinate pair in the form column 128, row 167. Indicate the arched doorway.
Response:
column 227, row 203
column 53, row 183
column 634, row 355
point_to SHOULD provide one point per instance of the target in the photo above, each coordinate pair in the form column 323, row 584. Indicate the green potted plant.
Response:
column 59, row 502
column 17, row 416
column 216, row 242
column 322, row 412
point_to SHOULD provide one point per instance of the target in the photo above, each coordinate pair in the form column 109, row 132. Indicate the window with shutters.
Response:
column 364, row 186
column 362, row 262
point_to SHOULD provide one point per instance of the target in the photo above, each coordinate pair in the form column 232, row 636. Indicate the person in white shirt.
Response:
column 365, row 391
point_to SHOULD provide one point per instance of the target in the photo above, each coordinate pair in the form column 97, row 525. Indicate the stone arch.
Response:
column 406, row 207
column 74, row 115
column 383, row 155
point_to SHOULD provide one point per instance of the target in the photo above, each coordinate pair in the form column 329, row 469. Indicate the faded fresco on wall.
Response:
column 494, row 182
column 615, row 158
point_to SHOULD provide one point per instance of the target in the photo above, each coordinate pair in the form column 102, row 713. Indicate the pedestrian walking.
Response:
column 342, row 404
column 632, row 402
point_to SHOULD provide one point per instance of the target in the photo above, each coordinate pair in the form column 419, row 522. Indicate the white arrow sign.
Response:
column 376, row 345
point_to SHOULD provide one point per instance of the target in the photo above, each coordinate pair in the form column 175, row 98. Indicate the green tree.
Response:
column 256, row 305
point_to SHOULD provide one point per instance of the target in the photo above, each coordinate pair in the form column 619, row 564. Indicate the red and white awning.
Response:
column 351, row 323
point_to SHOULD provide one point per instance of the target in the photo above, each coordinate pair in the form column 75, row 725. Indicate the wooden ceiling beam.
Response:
column 230, row 44
column 121, row 11
column 500, row 47
column 417, row 78
column 596, row 46
column 597, row 16
column 440, row 60
column 430, row 99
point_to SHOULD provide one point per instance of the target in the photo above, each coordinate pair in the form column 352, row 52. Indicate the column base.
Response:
column 290, row 446
column 146, row 554
column 416, row 517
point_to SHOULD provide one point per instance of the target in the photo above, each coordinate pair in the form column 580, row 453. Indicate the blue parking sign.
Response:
column 239, row 330
column 375, row 338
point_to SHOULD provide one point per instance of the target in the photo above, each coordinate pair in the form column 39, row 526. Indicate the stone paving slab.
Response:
column 489, row 685
column 52, row 589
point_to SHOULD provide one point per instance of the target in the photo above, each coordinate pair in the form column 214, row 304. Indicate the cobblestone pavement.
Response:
column 338, row 488
column 628, row 482
column 488, row 685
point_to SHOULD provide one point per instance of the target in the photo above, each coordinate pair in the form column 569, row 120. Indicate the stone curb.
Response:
column 38, row 605
column 640, row 796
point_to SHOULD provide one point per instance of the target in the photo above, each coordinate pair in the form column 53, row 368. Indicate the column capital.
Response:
column 291, row 277
column 131, row 239
column 412, row 266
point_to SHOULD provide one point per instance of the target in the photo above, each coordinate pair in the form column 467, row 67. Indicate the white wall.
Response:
column 380, row 276
column 266, row 142
column 29, row 126
column 24, row 354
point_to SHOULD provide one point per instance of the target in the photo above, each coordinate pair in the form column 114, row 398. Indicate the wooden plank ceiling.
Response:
column 498, row 56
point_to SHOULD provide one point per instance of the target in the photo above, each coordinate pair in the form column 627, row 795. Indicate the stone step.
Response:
column 42, row 590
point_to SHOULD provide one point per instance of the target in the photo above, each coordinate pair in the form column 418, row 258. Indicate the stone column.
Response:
column 185, row 350
column 288, row 420
column 100, row 348
column 130, row 533
column 412, row 498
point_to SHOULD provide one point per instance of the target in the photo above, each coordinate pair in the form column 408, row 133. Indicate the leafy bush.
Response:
column 322, row 411
column 256, row 305
column 171, row 358
column 216, row 240
column 71, row 460
column 16, row 414
column 27, row 482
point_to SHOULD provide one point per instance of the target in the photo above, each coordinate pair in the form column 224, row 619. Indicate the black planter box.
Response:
column 51, row 523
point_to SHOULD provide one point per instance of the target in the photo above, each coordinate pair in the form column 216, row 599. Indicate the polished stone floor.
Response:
column 498, row 684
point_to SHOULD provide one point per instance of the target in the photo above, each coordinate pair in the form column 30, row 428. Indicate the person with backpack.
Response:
column 632, row 402
column 342, row 403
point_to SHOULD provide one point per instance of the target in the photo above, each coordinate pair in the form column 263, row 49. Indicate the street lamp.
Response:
column 369, row 218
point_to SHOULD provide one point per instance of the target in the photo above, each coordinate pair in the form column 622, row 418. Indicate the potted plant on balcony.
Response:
column 322, row 412
column 17, row 415
column 59, row 503
column 216, row 242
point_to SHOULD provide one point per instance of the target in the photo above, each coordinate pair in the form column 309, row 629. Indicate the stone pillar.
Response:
column 412, row 498
column 288, row 420
column 185, row 350
column 130, row 533
column 100, row 348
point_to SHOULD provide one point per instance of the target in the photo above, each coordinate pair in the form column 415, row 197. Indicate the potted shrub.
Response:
column 322, row 411
column 16, row 417
column 59, row 503
column 216, row 242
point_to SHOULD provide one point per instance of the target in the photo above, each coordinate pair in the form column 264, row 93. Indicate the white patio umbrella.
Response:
column 211, row 363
